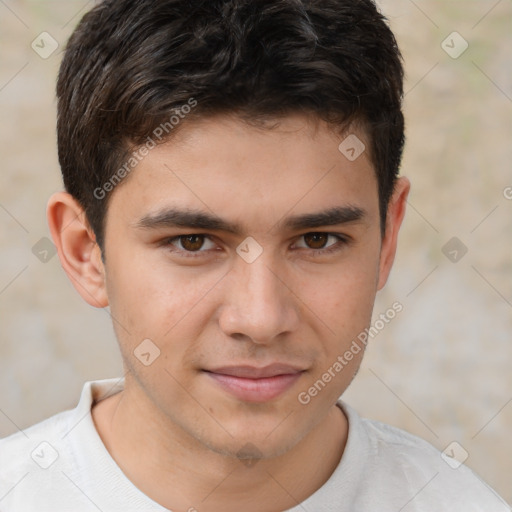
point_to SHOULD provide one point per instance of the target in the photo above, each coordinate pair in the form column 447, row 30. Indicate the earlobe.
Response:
column 395, row 215
column 79, row 254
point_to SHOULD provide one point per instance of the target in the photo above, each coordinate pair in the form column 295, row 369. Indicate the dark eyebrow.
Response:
column 174, row 217
column 330, row 217
column 196, row 219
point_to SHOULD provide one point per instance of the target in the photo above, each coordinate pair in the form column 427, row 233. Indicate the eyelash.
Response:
column 342, row 241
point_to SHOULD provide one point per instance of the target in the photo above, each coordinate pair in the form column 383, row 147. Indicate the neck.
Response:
column 181, row 473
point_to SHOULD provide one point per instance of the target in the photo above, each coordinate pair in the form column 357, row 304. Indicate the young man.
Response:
column 232, row 195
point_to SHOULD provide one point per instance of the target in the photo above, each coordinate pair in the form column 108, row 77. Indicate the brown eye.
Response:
column 192, row 242
column 195, row 244
column 316, row 240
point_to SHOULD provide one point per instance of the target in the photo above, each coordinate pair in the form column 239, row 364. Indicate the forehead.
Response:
column 234, row 169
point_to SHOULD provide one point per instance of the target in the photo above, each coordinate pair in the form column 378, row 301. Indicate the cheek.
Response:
column 343, row 296
column 155, row 301
column 158, row 320
column 343, row 308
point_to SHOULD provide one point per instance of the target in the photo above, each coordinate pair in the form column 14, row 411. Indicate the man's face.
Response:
column 181, row 272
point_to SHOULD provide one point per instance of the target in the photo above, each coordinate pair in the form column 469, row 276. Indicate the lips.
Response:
column 252, row 384
column 252, row 372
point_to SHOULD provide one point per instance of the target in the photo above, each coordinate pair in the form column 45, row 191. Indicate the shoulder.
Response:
column 21, row 449
column 40, row 465
column 27, row 458
column 426, row 478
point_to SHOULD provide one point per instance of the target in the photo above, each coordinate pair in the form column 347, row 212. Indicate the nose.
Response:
column 258, row 303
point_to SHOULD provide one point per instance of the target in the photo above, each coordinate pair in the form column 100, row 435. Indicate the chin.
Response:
column 254, row 447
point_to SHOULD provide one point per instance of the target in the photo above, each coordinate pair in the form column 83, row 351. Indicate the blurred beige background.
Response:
column 440, row 369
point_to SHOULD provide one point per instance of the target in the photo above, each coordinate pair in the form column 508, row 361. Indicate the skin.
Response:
column 174, row 431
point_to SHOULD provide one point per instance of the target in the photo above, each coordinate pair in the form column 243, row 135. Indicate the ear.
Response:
column 79, row 254
column 394, row 217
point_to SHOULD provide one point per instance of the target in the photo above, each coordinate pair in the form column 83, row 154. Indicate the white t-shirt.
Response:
column 61, row 465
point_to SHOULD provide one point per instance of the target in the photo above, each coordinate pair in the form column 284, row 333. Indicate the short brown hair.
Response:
column 131, row 64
